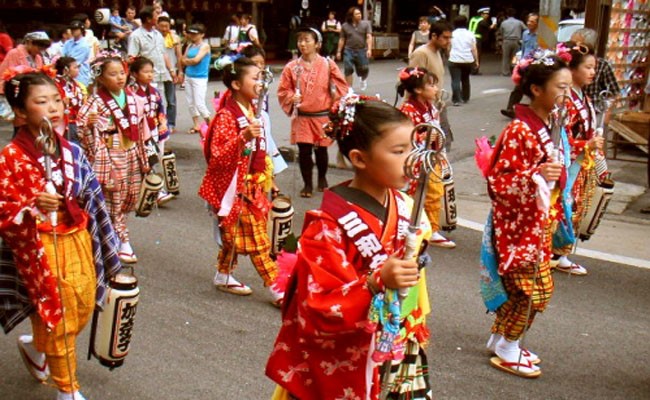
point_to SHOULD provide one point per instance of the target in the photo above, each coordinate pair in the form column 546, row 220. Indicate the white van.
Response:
column 567, row 27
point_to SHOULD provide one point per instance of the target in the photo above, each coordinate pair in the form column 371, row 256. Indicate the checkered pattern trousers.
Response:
column 409, row 378
column 127, row 176
column 75, row 262
column 249, row 236
column 522, row 285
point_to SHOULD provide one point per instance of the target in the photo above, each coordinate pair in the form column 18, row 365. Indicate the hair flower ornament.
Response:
column 226, row 60
column 408, row 72
column 342, row 115
column 563, row 52
column 12, row 72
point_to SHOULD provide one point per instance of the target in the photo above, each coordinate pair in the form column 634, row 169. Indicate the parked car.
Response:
column 566, row 28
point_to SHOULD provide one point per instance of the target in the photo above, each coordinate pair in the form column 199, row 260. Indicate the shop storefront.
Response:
column 624, row 40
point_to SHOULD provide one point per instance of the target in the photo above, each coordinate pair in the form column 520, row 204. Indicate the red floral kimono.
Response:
column 229, row 155
column 21, row 179
column 323, row 349
column 520, row 222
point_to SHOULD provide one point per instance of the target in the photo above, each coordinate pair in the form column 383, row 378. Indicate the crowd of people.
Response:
column 354, row 306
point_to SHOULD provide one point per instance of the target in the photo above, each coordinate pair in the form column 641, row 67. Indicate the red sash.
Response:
column 151, row 100
column 369, row 247
column 528, row 116
column 587, row 115
column 257, row 149
column 73, row 93
column 25, row 140
column 126, row 120
column 425, row 111
column 535, row 123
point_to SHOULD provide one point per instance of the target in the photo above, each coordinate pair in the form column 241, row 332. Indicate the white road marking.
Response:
column 599, row 255
column 496, row 91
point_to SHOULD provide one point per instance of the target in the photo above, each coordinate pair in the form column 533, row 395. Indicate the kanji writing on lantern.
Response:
column 172, row 177
column 284, row 228
column 126, row 326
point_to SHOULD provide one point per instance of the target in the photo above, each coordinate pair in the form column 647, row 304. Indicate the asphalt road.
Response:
column 194, row 342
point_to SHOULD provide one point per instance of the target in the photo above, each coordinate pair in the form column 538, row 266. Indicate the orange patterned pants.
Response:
column 75, row 263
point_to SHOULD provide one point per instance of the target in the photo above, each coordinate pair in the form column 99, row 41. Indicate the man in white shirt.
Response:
column 231, row 35
column 148, row 42
column 462, row 58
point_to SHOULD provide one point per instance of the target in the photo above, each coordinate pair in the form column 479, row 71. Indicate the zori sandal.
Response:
column 524, row 369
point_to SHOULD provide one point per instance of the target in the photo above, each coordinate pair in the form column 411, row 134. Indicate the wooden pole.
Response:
column 549, row 16
column 597, row 17
column 390, row 18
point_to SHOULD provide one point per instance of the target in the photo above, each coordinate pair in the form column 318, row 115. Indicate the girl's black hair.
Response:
column 17, row 88
column 138, row 63
column 236, row 71
column 540, row 73
column 98, row 67
column 313, row 32
column 414, row 81
column 252, row 51
column 62, row 64
column 579, row 52
column 370, row 121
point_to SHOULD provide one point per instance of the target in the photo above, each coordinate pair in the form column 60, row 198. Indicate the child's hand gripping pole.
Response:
column 46, row 142
column 559, row 116
column 264, row 80
column 441, row 100
column 604, row 102
column 419, row 164
column 298, row 71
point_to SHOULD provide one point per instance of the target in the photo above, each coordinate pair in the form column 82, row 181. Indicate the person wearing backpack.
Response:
column 248, row 32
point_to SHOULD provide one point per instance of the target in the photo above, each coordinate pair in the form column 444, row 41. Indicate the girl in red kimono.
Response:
column 62, row 264
column 141, row 70
column 308, row 86
column 113, row 133
column 522, row 165
column 421, row 86
column 237, row 181
column 350, row 253
column 586, row 144
column 67, row 70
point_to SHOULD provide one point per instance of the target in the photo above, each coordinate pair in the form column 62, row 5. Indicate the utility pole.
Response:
column 390, row 18
column 549, row 17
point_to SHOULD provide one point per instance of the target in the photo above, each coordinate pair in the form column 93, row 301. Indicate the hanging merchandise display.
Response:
column 627, row 49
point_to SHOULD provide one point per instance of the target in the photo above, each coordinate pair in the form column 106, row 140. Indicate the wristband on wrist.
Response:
column 374, row 282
